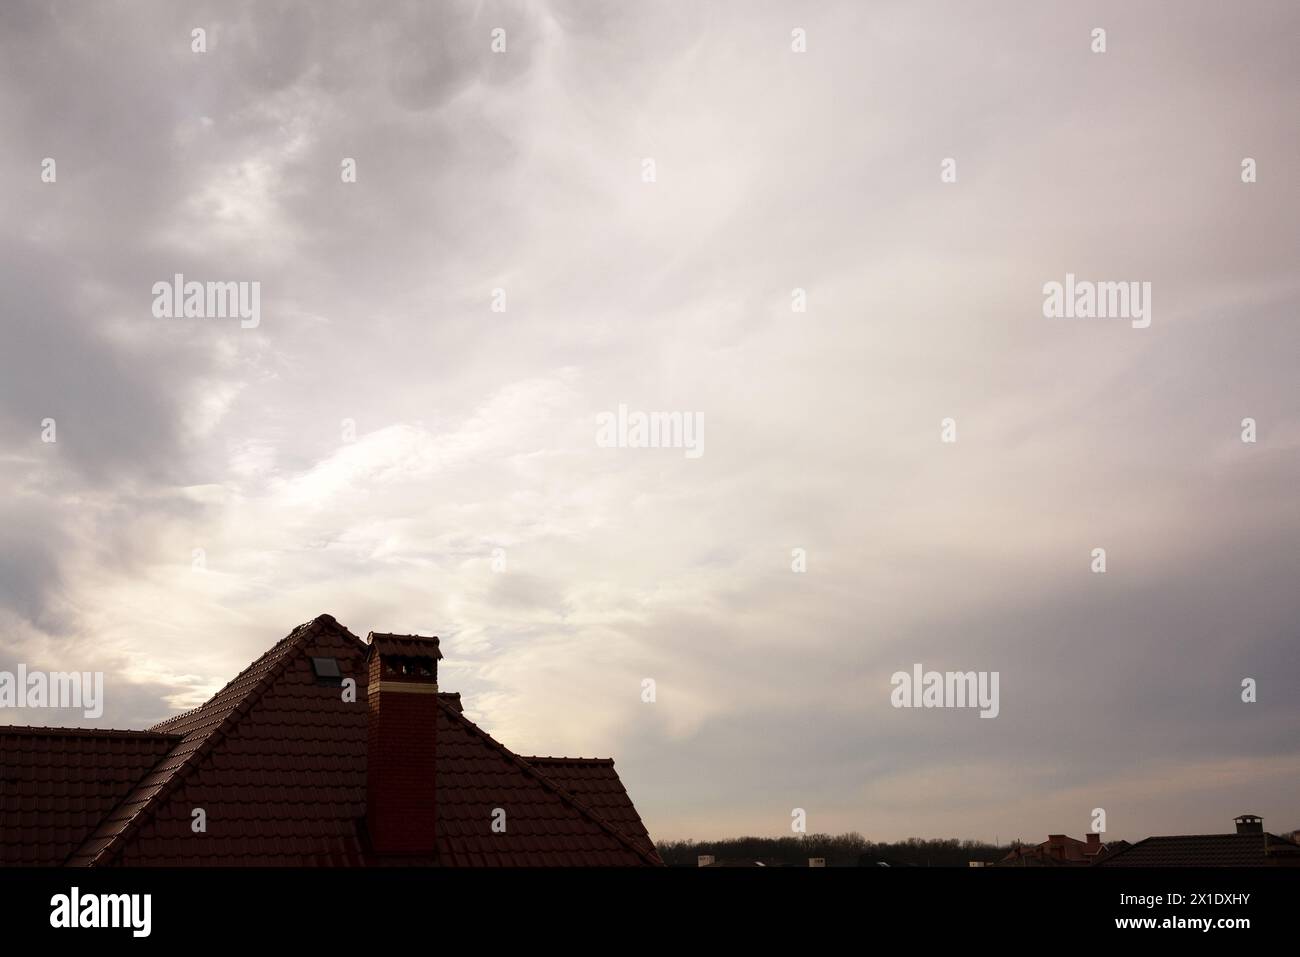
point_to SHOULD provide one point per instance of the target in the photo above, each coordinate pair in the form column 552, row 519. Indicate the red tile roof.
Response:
column 57, row 783
column 546, row 824
column 268, row 758
column 595, row 782
column 277, row 762
column 1208, row 850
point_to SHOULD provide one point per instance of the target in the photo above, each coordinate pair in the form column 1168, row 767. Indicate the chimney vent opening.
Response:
column 409, row 667
column 1249, row 824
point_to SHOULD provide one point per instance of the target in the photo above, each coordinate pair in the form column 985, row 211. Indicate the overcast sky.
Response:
column 475, row 429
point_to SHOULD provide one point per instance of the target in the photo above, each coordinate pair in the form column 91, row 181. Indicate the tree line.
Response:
column 842, row 850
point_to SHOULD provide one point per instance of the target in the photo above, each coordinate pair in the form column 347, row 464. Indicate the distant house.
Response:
column 711, row 860
column 1061, row 850
column 1249, row 846
column 283, row 766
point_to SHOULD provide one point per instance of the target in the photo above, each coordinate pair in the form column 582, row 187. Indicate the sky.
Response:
column 408, row 440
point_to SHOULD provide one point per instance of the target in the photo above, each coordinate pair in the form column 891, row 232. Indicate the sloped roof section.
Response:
column 1208, row 850
column 545, row 825
column 270, row 747
column 595, row 782
column 56, row 785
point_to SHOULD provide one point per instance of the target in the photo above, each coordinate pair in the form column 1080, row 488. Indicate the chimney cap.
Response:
column 403, row 646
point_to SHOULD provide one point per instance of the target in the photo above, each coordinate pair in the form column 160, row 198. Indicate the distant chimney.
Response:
column 1094, row 842
column 704, row 860
column 403, row 724
column 1249, row 824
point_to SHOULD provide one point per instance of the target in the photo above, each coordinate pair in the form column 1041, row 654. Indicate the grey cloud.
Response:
column 820, row 171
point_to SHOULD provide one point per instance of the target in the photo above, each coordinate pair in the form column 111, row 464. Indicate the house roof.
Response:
column 1207, row 850
column 546, row 823
column 1059, row 850
column 1034, row 856
column 1111, row 848
column 276, row 761
column 56, row 784
column 595, row 782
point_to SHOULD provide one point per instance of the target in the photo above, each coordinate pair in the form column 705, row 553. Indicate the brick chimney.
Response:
column 1056, row 846
column 1249, row 824
column 402, row 721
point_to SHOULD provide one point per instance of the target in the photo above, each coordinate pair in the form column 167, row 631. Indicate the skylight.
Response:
column 326, row 668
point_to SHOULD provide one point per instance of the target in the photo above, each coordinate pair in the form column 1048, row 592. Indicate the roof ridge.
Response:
column 563, row 794
column 86, row 732
column 567, row 760
column 214, row 737
column 281, row 646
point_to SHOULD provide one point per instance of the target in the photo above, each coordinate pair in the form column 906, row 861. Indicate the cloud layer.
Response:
column 384, row 436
